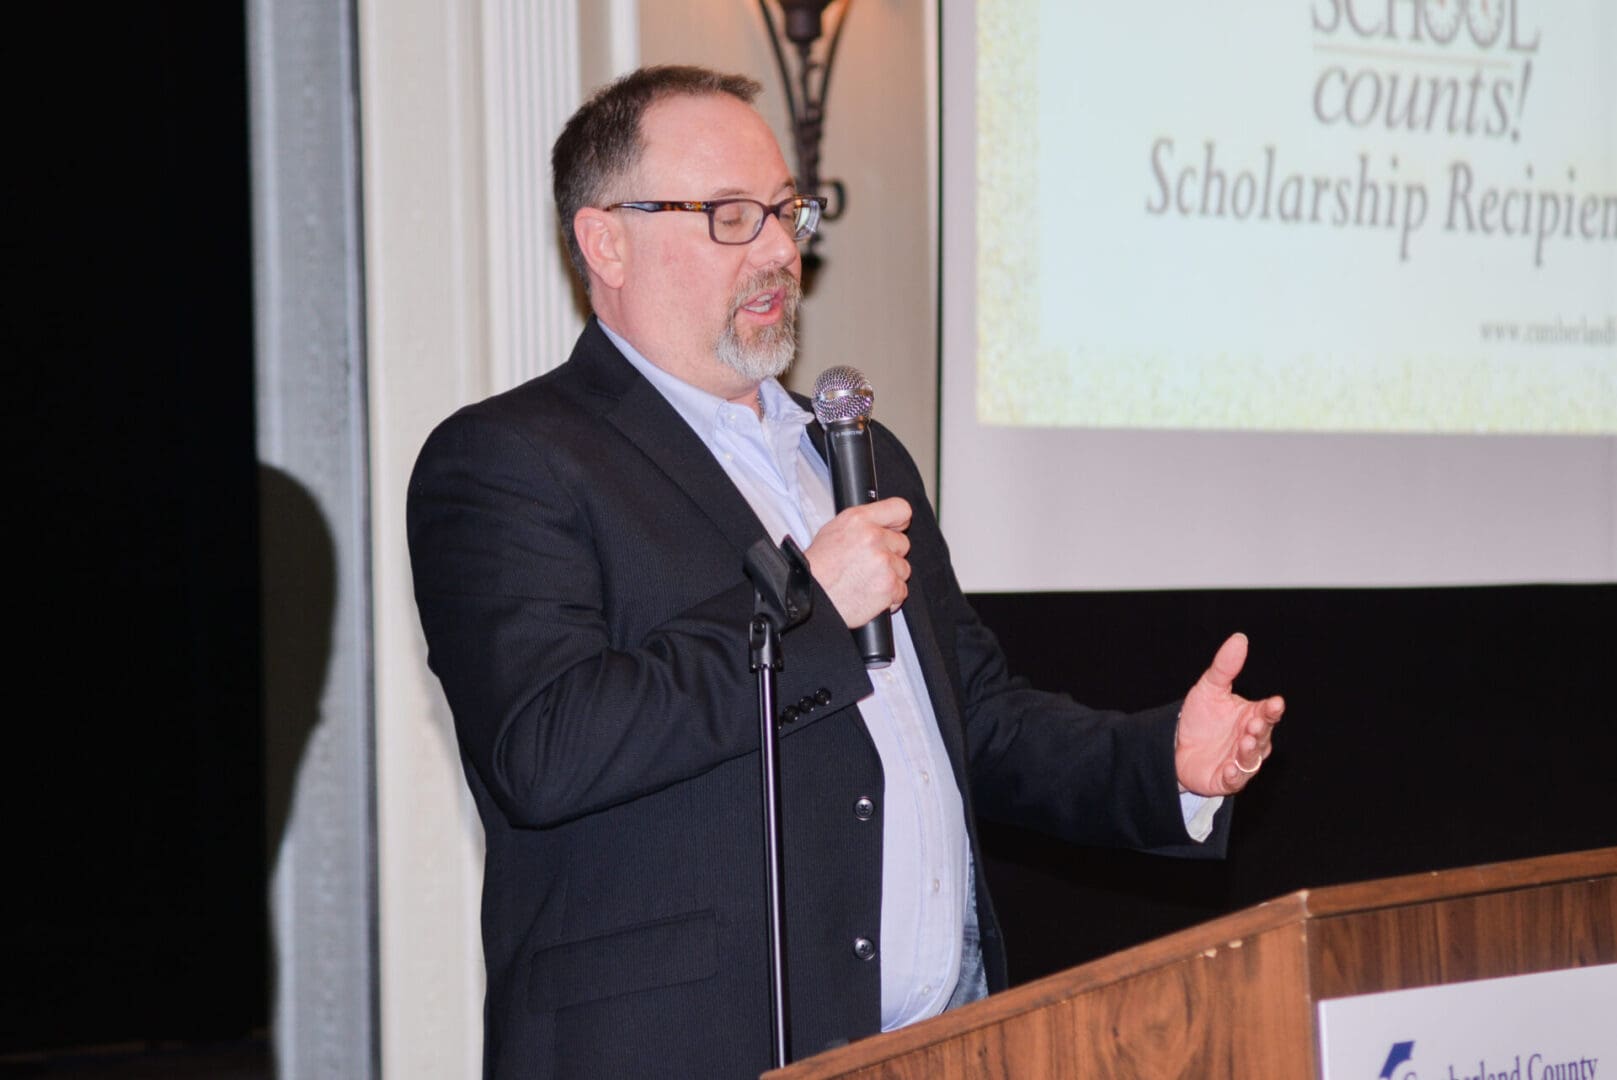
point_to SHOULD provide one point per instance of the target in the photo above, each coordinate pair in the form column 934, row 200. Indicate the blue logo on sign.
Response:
column 1400, row 1053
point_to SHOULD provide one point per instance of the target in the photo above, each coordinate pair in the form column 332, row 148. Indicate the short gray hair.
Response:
column 602, row 142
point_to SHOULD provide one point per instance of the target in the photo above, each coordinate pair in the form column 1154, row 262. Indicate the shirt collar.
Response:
column 701, row 409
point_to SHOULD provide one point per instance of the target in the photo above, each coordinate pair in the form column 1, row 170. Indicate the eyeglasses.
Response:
column 739, row 221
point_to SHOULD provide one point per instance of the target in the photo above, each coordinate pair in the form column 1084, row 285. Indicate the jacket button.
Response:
column 806, row 704
column 822, row 696
column 864, row 808
column 789, row 714
column 864, row 948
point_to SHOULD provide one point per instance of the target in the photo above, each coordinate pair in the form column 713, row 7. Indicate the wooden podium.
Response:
column 1236, row 997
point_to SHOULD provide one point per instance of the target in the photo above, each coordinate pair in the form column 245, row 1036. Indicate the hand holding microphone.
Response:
column 859, row 558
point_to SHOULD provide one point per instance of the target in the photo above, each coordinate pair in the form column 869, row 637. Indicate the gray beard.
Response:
column 770, row 352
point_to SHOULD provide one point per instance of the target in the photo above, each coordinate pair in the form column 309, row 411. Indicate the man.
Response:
column 577, row 546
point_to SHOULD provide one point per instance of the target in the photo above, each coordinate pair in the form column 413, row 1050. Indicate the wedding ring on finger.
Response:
column 1243, row 768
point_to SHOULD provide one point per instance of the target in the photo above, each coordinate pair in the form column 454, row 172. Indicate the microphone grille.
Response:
column 842, row 393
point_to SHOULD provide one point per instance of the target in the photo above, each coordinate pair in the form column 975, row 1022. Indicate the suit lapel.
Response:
column 646, row 419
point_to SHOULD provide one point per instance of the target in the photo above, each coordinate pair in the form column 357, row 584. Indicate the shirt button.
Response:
column 864, row 948
column 926, row 777
column 936, row 885
column 864, row 808
column 927, row 989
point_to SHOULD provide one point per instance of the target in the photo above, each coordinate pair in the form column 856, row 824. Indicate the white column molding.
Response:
column 623, row 30
column 530, row 88
column 609, row 31
column 467, row 293
column 427, row 329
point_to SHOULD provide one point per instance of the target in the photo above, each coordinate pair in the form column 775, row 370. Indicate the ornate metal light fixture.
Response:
column 803, row 24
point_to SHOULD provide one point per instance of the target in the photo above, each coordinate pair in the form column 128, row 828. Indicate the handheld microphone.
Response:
column 843, row 399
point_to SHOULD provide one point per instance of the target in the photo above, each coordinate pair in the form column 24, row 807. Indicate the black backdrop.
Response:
column 133, row 795
column 1426, row 728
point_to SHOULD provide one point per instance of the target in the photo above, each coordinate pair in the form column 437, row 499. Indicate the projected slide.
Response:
column 1316, row 215
column 1278, row 293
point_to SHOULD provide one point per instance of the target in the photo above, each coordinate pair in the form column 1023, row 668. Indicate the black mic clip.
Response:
column 783, row 596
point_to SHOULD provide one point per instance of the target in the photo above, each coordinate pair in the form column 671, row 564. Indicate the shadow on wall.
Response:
column 298, row 585
column 298, row 598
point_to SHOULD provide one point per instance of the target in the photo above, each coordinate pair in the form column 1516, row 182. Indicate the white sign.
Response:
column 1331, row 215
column 1557, row 1025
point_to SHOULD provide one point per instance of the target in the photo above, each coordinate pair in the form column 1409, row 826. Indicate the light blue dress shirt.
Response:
column 924, row 843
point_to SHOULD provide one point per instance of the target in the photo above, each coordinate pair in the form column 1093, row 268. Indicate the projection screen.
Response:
column 1307, row 293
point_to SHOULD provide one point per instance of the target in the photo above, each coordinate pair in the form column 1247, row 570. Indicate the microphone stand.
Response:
column 782, row 598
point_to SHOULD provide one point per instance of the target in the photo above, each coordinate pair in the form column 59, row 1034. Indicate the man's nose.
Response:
column 774, row 246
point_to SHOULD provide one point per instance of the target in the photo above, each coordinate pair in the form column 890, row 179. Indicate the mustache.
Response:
column 768, row 281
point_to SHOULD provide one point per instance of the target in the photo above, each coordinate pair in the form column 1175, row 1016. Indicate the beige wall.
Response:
column 873, row 304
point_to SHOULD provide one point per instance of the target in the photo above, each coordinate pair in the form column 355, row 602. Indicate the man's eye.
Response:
column 730, row 216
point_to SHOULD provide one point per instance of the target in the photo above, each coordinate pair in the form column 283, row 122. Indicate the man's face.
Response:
column 720, row 316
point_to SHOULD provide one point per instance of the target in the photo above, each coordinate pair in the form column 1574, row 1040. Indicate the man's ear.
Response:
column 600, row 238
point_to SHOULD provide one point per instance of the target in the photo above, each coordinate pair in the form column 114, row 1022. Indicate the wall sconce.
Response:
column 802, row 24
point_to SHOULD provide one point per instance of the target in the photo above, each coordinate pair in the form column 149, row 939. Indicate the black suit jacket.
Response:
column 577, row 555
